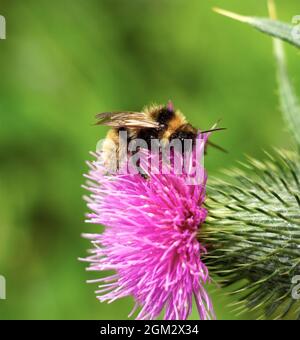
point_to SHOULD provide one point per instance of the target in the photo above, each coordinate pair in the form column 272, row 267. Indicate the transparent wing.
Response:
column 126, row 119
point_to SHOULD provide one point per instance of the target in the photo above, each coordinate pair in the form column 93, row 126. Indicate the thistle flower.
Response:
column 253, row 233
column 149, row 242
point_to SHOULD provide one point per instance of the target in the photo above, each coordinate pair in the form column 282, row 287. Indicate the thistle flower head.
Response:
column 149, row 242
column 253, row 234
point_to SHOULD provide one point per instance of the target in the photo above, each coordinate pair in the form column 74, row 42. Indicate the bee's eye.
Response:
column 174, row 136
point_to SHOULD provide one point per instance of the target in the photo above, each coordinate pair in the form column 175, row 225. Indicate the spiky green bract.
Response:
column 278, row 29
column 252, row 234
column 289, row 101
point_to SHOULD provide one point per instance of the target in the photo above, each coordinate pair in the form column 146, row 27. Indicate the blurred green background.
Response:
column 62, row 62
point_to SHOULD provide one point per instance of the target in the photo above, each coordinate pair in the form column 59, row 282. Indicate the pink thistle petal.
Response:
column 149, row 242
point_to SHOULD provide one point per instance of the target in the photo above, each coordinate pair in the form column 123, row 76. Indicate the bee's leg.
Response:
column 216, row 146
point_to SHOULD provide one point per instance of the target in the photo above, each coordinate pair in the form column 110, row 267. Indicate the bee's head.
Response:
column 186, row 131
column 165, row 114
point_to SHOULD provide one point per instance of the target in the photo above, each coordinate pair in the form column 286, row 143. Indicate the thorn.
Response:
column 232, row 15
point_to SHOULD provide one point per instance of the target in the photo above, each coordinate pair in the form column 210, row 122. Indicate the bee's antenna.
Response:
column 213, row 130
column 213, row 144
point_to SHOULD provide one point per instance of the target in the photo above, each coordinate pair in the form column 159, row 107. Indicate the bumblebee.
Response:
column 160, row 122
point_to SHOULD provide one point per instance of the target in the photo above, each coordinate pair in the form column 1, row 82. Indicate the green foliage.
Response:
column 253, row 233
column 253, row 230
column 288, row 99
column 275, row 28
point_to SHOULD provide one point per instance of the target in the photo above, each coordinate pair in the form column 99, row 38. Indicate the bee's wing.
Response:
column 126, row 119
